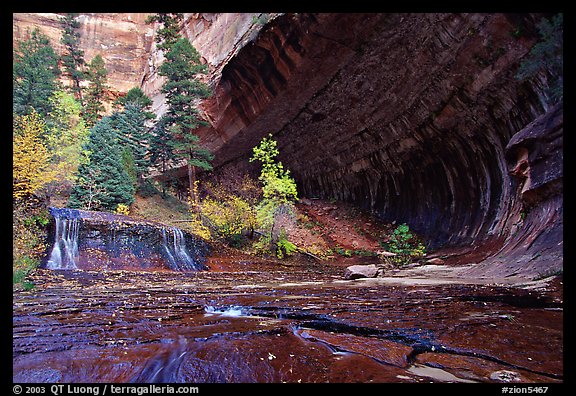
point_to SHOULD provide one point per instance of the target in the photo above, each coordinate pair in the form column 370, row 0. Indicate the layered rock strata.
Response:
column 123, row 40
column 406, row 115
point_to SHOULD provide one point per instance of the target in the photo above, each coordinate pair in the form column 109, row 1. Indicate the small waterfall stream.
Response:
column 175, row 248
column 64, row 253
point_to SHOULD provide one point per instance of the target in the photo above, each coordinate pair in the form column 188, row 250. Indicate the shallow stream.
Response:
column 279, row 324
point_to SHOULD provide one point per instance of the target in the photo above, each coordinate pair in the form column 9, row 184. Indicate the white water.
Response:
column 64, row 254
column 232, row 311
column 176, row 251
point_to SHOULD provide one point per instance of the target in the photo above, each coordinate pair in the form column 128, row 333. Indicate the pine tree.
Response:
column 96, row 75
column 138, row 97
column 73, row 57
column 34, row 75
column 133, row 134
column 183, row 89
column 103, row 183
column 160, row 149
column 168, row 34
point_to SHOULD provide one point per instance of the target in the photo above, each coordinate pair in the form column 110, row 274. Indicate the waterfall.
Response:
column 64, row 254
column 176, row 251
column 92, row 240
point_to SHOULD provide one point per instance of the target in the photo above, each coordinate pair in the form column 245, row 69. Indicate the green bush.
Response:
column 21, row 268
column 284, row 247
column 406, row 245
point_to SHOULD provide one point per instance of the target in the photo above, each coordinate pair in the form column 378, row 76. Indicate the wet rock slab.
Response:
column 266, row 323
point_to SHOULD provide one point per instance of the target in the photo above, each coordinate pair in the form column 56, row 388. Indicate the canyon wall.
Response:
column 122, row 39
column 407, row 115
column 416, row 117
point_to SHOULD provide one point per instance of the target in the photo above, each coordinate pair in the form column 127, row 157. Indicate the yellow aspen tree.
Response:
column 30, row 162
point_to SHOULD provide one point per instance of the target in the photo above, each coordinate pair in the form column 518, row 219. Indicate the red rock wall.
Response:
column 122, row 39
column 407, row 115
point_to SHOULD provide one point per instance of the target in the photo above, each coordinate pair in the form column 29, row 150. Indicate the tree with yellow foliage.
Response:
column 31, row 159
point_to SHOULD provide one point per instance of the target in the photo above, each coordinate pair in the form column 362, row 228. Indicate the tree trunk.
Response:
column 191, row 180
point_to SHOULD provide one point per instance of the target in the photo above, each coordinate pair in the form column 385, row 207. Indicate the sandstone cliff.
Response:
column 122, row 39
column 407, row 115
column 416, row 117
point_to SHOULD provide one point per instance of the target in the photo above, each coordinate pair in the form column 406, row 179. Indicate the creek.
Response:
column 253, row 320
column 278, row 325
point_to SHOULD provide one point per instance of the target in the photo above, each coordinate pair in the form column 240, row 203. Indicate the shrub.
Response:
column 29, row 221
column 406, row 245
column 228, row 217
column 284, row 246
column 122, row 209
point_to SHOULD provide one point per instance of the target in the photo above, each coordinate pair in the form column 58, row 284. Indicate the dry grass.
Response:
column 155, row 208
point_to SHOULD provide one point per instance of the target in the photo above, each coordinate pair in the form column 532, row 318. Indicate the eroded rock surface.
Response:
column 256, row 321
column 410, row 116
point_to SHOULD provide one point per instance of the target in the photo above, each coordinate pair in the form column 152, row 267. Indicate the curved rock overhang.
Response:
column 407, row 115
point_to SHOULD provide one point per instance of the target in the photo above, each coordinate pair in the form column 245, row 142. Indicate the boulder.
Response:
column 506, row 376
column 361, row 271
column 435, row 261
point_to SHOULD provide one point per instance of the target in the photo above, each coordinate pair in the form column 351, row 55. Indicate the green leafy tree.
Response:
column 279, row 194
column 277, row 184
column 73, row 56
column 96, row 75
column 104, row 182
column 183, row 89
column 65, row 137
column 547, row 54
column 169, row 33
column 34, row 75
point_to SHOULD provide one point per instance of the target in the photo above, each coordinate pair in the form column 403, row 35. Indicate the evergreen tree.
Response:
column 133, row 134
column 183, row 89
column 73, row 57
column 103, row 183
column 168, row 34
column 34, row 75
column 129, row 165
column 160, row 148
column 96, row 75
column 138, row 97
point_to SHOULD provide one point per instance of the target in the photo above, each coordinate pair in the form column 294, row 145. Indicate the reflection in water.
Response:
column 122, row 326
